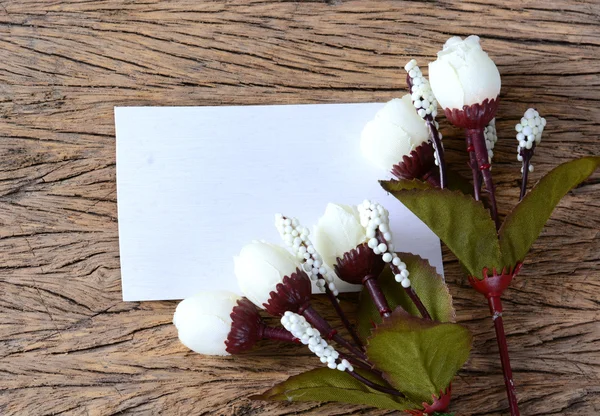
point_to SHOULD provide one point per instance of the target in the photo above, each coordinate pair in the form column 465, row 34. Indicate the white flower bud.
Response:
column 203, row 321
column 463, row 74
column 394, row 132
column 260, row 267
column 338, row 231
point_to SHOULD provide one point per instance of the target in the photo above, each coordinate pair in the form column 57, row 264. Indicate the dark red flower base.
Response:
column 245, row 327
column 440, row 404
column 493, row 286
column 289, row 295
column 476, row 116
column 419, row 165
column 358, row 263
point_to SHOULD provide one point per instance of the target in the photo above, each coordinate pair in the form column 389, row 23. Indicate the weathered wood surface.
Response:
column 69, row 345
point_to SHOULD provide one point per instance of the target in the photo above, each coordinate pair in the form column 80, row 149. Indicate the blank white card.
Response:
column 195, row 184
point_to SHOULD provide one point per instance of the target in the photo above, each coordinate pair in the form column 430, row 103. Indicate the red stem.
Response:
column 375, row 386
column 437, row 146
column 483, row 164
column 417, row 301
column 278, row 334
column 327, row 331
column 496, row 309
column 377, row 295
column 343, row 316
column 409, row 290
column 526, row 154
column 473, row 165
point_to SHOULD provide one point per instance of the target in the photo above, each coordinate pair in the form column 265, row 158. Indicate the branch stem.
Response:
column 343, row 317
column 496, row 309
column 439, row 149
column 483, row 164
column 375, row 386
column 526, row 154
column 473, row 165
column 327, row 332
column 379, row 300
column 409, row 290
column 278, row 334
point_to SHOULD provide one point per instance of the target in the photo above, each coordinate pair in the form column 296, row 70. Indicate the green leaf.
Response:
column 419, row 357
column 525, row 223
column 426, row 282
column 326, row 385
column 404, row 184
column 462, row 223
column 457, row 182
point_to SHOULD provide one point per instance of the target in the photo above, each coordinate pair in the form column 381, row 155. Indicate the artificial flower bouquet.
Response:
column 404, row 348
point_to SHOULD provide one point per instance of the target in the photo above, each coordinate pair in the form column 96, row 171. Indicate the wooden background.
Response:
column 69, row 345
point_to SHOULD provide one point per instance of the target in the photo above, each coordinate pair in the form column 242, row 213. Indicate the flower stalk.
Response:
column 496, row 309
column 434, row 134
column 336, row 305
column 477, row 139
column 326, row 331
column 473, row 165
column 492, row 288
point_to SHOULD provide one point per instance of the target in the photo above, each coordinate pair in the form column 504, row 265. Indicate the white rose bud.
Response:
column 395, row 131
column 463, row 74
column 203, row 321
column 260, row 267
column 337, row 232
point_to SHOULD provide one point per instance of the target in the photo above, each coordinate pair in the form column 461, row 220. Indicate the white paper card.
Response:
column 195, row 184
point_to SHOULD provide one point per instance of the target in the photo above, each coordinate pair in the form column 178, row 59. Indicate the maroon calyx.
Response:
column 362, row 266
column 475, row 116
column 440, row 404
column 245, row 327
column 289, row 295
column 492, row 287
column 420, row 164
column 357, row 263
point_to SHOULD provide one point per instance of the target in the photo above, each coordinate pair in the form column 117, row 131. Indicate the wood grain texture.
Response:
column 68, row 345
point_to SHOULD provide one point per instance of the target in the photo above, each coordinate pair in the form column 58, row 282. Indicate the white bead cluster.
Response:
column 421, row 92
column 529, row 131
column 295, row 236
column 374, row 217
column 490, row 138
column 301, row 329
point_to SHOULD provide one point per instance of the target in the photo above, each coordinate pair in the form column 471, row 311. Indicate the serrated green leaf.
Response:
column 525, row 223
column 404, row 184
column 426, row 282
column 326, row 385
column 419, row 357
column 456, row 182
column 462, row 223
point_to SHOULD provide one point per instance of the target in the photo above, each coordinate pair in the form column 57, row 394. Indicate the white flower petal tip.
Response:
column 463, row 74
column 259, row 267
column 395, row 131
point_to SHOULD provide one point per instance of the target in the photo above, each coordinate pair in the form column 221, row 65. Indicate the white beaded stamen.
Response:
column 421, row 92
column 422, row 96
column 301, row 329
column 529, row 131
column 375, row 218
column 296, row 237
column 490, row 138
